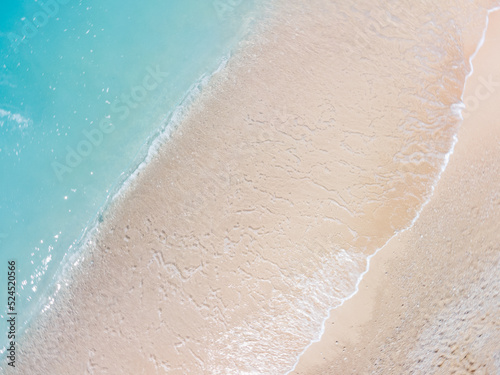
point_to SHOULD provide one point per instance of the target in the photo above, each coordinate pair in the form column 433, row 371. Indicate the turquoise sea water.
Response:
column 84, row 87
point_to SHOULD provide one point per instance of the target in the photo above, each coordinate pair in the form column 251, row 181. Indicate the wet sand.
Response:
column 230, row 247
column 430, row 302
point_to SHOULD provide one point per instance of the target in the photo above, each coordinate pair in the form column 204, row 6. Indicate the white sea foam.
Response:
column 22, row 122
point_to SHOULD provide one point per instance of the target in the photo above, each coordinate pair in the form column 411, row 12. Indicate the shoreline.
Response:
column 393, row 238
column 192, row 269
column 145, row 154
column 349, row 318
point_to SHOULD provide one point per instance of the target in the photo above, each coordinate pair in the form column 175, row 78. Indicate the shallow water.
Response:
column 84, row 85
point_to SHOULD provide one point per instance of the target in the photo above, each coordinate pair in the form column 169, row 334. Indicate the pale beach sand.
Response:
column 430, row 302
column 228, row 250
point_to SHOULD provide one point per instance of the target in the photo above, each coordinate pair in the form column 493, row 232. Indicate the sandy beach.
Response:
column 430, row 303
column 229, row 249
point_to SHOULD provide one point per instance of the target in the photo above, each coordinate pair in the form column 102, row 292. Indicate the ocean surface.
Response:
column 85, row 87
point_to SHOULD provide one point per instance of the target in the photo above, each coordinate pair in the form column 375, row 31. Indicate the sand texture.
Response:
column 430, row 303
